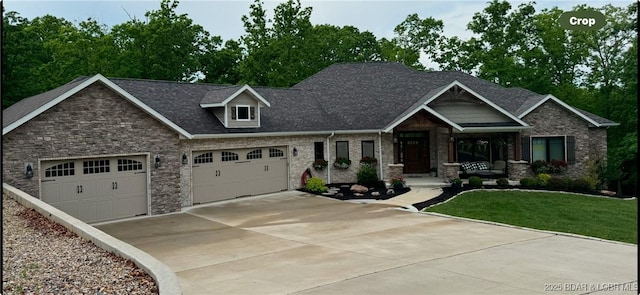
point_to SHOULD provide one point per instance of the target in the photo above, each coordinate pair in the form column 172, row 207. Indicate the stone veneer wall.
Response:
column 95, row 122
column 551, row 119
column 395, row 171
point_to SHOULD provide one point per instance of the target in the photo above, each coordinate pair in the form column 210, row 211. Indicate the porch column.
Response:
column 518, row 148
column 451, row 156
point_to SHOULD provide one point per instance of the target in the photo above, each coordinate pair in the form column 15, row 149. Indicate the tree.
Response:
column 220, row 64
column 167, row 46
column 414, row 36
column 27, row 52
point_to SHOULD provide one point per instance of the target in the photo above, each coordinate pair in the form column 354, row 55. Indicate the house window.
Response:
column 547, row 148
column 318, row 150
column 95, row 166
column 129, row 165
column 473, row 149
column 65, row 169
column 368, row 149
column 256, row 154
column 342, row 149
column 243, row 113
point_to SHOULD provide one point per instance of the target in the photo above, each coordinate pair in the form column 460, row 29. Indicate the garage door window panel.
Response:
column 276, row 153
column 96, row 166
column 64, row 169
column 256, row 154
column 204, row 158
column 228, row 156
column 129, row 165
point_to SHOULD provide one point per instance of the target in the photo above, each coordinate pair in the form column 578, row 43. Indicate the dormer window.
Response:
column 235, row 107
column 243, row 113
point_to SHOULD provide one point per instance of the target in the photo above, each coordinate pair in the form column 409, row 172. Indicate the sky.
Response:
column 223, row 17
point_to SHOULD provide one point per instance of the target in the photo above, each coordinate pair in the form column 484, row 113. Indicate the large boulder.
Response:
column 359, row 188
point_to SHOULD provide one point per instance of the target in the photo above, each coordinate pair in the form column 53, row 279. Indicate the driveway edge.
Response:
column 166, row 279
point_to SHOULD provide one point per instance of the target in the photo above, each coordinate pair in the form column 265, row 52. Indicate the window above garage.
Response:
column 235, row 106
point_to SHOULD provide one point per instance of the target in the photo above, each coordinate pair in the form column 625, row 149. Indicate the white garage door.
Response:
column 221, row 175
column 96, row 189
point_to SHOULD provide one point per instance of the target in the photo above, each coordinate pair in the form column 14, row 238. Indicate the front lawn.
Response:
column 606, row 218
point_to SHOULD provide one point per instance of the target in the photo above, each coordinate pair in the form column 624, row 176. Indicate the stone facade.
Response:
column 551, row 119
column 95, row 122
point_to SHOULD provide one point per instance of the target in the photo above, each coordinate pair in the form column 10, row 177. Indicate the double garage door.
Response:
column 96, row 189
column 226, row 174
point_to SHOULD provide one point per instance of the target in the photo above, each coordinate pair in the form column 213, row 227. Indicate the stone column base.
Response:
column 450, row 171
column 395, row 170
column 518, row 170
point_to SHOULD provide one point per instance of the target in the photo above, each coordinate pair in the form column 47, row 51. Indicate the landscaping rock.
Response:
column 375, row 194
column 608, row 193
column 359, row 188
column 358, row 194
column 390, row 191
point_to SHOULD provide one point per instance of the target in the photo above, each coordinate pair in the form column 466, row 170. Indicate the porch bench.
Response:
column 482, row 168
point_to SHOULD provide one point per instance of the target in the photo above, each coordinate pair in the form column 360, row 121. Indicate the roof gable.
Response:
column 35, row 105
column 590, row 118
column 220, row 97
column 425, row 102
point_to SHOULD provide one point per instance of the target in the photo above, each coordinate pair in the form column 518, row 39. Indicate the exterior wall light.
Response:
column 295, row 152
column 185, row 160
column 157, row 161
column 28, row 171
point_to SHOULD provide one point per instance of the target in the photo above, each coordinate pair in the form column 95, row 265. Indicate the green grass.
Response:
column 606, row 218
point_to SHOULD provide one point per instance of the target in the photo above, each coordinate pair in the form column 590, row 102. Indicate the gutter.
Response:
column 329, row 157
column 274, row 134
column 380, row 153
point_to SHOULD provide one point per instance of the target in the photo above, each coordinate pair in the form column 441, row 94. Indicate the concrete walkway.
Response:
column 296, row 243
column 415, row 195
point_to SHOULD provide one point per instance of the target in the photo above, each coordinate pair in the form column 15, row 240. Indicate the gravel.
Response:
column 43, row 257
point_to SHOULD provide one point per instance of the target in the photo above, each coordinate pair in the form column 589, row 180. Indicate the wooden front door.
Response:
column 414, row 152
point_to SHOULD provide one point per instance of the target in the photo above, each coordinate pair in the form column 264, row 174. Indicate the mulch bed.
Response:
column 346, row 194
column 447, row 193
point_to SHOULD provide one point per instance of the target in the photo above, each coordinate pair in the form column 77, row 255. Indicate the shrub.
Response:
column 456, row 183
column 368, row 161
column 543, row 179
column 502, row 182
column 475, row 181
column 320, row 164
column 555, row 166
column 316, row 185
column 558, row 183
column 397, row 182
column 528, row 182
column 582, row 185
column 342, row 163
column 367, row 176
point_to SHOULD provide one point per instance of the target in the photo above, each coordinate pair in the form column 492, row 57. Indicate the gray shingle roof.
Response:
column 348, row 96
column 25, row 106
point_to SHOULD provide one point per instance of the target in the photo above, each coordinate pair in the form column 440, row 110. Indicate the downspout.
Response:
column 329, row 157
column 380, row 152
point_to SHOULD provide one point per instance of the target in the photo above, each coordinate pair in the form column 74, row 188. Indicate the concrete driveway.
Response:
column 298, row 243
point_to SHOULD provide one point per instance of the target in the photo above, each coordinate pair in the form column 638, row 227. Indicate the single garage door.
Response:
column 96, row 189
column 221, row 175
